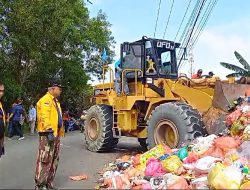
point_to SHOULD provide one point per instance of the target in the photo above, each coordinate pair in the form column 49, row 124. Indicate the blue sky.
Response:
column 226, row 31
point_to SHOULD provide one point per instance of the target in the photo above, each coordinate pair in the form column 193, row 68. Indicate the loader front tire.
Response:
column 174, row 124
column 98, row 129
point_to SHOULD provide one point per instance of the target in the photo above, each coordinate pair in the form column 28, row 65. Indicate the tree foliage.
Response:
column 238, row 71
column 44, row 39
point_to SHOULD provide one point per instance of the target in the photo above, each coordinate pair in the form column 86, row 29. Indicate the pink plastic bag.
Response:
column 181, row 183
column 154, row 168
column 227, row 143
column 146, row 186
column 232, row 117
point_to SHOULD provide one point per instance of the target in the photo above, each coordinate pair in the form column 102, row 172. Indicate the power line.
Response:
column 183, row 19
column 192, row 29
column 158, row 12
column 190, row 20
column 204, row 24
column 181, row 23
column 201, row 21
column 189, row 24
column 168, row 19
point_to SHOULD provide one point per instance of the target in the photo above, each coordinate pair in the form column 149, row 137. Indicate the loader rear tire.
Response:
column 98, row 129
column 174, row 124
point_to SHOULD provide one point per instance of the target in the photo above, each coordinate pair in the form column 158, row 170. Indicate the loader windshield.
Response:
column 166, row 62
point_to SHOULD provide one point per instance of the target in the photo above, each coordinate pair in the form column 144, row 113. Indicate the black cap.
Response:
column 55, row 83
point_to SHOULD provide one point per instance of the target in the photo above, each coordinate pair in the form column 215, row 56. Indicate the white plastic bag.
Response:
column 204, row 164
column 202, row 144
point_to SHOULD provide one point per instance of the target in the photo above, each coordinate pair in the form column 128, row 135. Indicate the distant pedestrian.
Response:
column 10, row 123
column 16, row 116
column 50, row 129
column 32, row 119
column 66, row 119
column 2, row 121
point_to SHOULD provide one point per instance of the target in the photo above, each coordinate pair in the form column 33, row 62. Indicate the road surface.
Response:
column 17, row 166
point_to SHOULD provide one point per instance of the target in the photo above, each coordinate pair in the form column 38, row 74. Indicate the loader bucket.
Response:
column 224, row 93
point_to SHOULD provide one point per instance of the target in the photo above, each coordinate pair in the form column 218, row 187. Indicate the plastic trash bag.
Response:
column 120, row 182
column 137, row 187
column 183, row 153
column 246, row 133
column 232, row 117
column 190, row 161
column 214, row 152
column 202, row 144
column 231, row 157
column 155, row 152
column 247, row 93
column 136, row 160
column 221, row 177
column 226, row 143
column 244, row 150
column 236, row 128
column 158, row 183
column 133, row 172
column 245, row 185
column 191, row 158
column 146, row 186
column 154, row 168
column 173, row 164
column 204, row 164
column 110, row 178
column 175, row 182
column 200, row 183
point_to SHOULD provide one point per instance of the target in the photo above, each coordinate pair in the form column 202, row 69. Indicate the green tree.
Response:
column 44, row 39
column 238, row 71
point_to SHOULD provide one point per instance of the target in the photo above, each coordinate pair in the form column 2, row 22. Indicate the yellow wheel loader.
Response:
column 161, row 106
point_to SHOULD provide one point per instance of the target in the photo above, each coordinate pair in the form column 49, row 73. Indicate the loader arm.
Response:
column 196, row 98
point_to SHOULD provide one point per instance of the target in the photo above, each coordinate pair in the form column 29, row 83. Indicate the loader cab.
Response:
column 156, row 58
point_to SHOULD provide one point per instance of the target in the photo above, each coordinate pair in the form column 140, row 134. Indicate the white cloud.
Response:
column 218, row 44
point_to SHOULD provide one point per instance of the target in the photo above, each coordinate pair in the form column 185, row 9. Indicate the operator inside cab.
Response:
column 198, row 74
column 118, row 81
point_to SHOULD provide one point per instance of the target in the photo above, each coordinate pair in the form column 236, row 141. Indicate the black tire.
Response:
column 103, row 140
column 143, row 143
column 185, row 121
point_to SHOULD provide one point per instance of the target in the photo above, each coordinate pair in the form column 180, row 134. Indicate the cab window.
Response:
column 132, row 58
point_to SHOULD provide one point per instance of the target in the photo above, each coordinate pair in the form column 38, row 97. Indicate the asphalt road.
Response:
column 17, row 166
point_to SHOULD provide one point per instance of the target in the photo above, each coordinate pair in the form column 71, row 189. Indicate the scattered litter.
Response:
column 79, row 177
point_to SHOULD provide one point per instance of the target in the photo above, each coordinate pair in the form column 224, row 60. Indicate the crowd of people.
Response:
column 47, row 120
column 16, row 116
column 15, row 119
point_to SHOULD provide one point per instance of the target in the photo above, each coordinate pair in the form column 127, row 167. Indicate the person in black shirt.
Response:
column 2, row 121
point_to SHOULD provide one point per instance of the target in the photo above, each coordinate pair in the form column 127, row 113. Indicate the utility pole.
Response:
column 191, row 62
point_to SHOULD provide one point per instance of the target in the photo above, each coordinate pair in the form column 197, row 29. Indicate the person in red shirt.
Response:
column 66, row 119
column 197, row 75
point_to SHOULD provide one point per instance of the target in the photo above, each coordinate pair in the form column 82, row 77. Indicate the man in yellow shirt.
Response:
column 2, row 121
column 50, row 129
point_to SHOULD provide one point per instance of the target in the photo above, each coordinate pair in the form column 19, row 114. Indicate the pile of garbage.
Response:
column 238, row 121
column 210, row 162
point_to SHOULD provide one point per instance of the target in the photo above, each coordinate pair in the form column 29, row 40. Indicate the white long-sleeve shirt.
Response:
column 32, row 114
